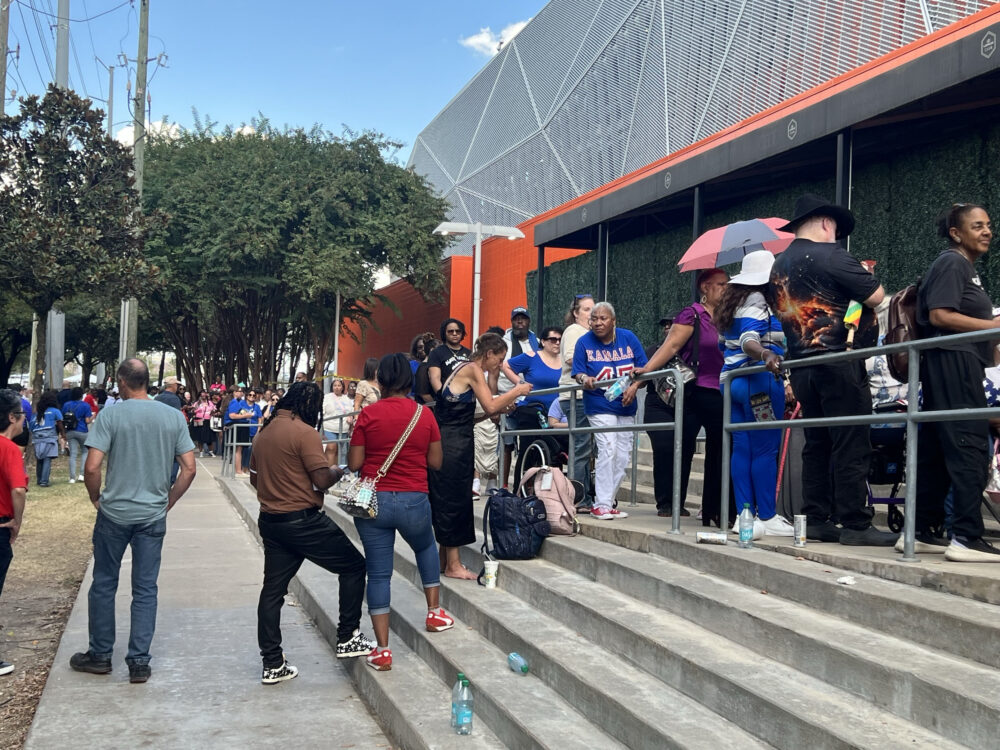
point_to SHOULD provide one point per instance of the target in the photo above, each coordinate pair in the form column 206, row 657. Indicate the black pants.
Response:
column 952, row 454
column 286, row 545
column 662, row 443
column 6, row 554
column 835, row 459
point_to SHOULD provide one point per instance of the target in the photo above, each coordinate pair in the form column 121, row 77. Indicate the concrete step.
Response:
column 948, row 606
column 955, row 697
column 411, row 702
column 628, row 704
column 739, row 682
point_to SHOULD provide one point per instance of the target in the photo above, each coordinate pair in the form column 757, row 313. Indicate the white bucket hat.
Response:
column 756, row 269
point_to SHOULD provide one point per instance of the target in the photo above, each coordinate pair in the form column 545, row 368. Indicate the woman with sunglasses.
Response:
column 542, row 370
column 443, row 360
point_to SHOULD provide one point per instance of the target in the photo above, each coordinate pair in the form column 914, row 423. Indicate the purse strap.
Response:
column 696, row 338
column 384, row 469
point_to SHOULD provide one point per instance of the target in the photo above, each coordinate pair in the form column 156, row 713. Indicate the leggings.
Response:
column 754, row 465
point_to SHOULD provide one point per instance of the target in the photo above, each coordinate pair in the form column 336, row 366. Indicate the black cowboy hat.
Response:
column 810, row 204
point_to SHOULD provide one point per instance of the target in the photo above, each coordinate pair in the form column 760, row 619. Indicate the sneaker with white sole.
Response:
column 602, row 514
column 776, row 525
column 6, row 667
column 380, row 659
column 758, row 529
column 358, row 644
column 972, row 550
column 438, row 621
column 80, row 478
column 925, row 544
column 72, row 481
column 274, row 675
column 615, row 513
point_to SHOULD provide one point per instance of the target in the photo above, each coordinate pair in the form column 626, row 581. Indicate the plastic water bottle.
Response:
column 463, row 709
column 517, row 663
column 455, row 690
column 614, row 391
column 746, row 527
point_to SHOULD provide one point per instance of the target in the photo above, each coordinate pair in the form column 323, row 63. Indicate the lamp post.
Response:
column 482, row 230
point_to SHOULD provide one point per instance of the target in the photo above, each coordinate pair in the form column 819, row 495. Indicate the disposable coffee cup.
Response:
column 490, row 576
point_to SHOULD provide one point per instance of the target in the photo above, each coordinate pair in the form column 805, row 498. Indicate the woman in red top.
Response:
column 402, row 497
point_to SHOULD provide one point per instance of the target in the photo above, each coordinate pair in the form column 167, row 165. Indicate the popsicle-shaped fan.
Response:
column 852, row 318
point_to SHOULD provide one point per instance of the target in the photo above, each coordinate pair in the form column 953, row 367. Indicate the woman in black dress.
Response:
column 451, row 497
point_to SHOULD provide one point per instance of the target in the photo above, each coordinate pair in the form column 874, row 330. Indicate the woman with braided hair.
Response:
column 290, row 473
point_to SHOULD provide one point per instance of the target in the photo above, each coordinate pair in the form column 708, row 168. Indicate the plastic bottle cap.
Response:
column 746, row 506
column 524, row 668
column 465, row 682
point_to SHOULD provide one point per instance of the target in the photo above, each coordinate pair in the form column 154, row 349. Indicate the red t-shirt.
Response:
column 12, row 475
column 379, row 428
column 91, row 402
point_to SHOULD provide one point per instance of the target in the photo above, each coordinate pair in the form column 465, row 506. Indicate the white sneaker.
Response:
column 758, row 528
column 80, row 478
column 475, row 486
column 72, row 481
column 776, row 525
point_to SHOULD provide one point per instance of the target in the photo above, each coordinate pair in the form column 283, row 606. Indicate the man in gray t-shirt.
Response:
column 141, row 438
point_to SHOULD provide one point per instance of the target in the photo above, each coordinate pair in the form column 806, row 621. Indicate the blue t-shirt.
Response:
column 539, row 374
column 235, row 407
column 254, row 421
column 607, row 362
column 82, row 411
column 45, row 427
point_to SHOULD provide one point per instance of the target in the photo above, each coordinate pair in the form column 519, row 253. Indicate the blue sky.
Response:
column 390, row 65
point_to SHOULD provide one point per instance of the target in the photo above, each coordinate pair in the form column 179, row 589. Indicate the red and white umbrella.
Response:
column 728, row 244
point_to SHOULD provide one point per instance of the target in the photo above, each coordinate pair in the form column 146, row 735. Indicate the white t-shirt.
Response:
column 567, row 347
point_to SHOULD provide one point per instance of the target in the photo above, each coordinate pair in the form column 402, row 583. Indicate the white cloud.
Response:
column 126, row 135
column 486, row 41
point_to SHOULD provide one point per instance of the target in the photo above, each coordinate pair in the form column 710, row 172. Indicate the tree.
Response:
column 15, row 335
column 264, row 229
column 71, row 221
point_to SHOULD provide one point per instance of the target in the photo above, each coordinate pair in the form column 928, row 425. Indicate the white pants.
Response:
column 614, row 449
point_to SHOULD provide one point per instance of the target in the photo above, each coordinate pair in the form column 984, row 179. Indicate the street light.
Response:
column 482, row 230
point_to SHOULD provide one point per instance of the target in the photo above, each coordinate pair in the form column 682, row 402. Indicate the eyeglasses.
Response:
column 554, row 339
column 17, row 413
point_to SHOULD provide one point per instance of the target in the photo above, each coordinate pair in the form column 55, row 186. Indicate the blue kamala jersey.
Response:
column 606, row 362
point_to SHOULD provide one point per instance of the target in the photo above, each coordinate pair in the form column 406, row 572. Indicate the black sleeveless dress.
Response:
column 451, row 485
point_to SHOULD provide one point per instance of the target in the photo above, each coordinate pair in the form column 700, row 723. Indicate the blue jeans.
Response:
column 409, row 513
column 110, row 541
column 43, row 468
column 76, row 440
column 582, row 447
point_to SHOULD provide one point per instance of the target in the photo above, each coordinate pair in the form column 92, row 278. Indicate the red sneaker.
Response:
column 380, row 659
column 615, row 513
column 438, row 621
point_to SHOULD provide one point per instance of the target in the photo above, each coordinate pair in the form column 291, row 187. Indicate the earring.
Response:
column 704, row 298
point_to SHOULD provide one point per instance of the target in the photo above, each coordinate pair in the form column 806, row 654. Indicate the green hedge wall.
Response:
column 896, row 201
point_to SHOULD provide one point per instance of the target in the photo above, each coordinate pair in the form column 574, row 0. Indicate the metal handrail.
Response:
column 911, row 417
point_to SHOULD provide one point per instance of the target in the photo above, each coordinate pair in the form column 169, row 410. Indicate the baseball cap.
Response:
column 171, row 380
column 520, row 311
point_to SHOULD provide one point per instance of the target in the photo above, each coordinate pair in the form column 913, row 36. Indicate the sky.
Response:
column 388, row 66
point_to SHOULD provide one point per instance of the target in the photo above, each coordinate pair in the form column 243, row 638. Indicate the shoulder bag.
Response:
column 665, row 387
column 358, row 495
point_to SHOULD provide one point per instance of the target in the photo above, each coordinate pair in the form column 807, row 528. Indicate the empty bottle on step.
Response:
column 746, row 527
column 455, row 690
column 463, row 709
column 517, row 663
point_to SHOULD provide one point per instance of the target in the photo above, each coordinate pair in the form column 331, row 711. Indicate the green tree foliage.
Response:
column 264, row 229
column 69, row 217
column 15, row 334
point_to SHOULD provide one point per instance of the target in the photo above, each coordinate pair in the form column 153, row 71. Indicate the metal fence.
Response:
column 912, row 417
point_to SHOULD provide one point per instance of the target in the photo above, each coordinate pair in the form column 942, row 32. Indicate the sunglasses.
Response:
column 455, row 330
column 554, row 339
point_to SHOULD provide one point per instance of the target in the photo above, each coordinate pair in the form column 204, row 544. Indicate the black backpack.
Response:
column 517, row 525
column 69, row 415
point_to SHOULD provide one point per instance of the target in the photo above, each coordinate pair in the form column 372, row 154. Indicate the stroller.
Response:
column 888, row 464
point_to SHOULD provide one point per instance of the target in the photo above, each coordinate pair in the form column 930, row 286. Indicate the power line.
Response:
column 77, row 20
column 93, row 48
column 42, row 42
column 31, row 49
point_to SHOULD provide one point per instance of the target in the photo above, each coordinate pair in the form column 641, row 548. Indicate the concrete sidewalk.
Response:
column 205, row 690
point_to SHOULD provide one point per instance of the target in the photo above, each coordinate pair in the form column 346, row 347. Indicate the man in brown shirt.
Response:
column 290, row 473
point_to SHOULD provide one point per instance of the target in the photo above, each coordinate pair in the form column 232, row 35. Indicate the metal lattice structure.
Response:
column 591, row 90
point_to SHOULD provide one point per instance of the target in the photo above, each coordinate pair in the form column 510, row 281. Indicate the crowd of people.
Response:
column 409, row 426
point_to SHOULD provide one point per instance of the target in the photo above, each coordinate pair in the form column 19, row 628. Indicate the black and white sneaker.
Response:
column 274, row 675
column 971, row 550
column 6, row 667
column 358, row 644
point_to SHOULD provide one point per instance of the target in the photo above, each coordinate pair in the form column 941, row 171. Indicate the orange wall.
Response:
column 505, row 265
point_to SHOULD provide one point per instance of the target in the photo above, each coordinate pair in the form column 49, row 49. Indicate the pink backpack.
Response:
column 551, row 486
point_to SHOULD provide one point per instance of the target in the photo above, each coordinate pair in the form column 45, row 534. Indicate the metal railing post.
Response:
column 727, row 416
column 910, row 500
column 635, row 468
column 572, row 437
column 675, row 525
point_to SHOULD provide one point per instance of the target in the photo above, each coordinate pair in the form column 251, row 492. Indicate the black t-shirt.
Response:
column 952, row 283
column 446, row 358
column 813, row 284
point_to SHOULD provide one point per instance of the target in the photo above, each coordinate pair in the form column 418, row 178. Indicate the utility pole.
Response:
column 55, row 343
column 4, row 23
column 128, row 342
column 111, row 100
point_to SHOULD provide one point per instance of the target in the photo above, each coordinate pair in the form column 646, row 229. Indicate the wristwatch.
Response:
column 581, row 378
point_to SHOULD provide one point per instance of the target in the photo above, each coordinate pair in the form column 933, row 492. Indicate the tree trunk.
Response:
column 85, row 370
column 37, row 377
column 163, row 362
